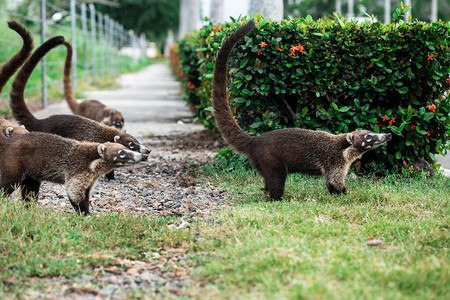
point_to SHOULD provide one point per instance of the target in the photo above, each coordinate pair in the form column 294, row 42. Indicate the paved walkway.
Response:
column 151, row 103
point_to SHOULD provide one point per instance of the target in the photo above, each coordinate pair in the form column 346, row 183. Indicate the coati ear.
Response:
column 101, row 150
column 22, row 126
column 349, row 138
column 9, row 131
column 116, row 138
column 112, row 112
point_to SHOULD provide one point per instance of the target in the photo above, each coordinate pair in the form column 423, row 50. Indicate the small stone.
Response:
column 374, row 242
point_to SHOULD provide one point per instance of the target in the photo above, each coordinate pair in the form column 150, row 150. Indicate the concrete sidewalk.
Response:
column 151, row 103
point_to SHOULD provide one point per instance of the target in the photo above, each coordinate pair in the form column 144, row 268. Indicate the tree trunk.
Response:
column 216, row 11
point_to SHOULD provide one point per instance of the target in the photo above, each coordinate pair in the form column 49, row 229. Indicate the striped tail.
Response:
column 17, row 102
column 11, row 67
column 225, row 121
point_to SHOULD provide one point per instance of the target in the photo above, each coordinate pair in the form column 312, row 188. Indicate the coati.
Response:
column 69, row 126
column 31, row 158
column 293, row 150
column 10, row 130
column 9, row 68
column 92, row 109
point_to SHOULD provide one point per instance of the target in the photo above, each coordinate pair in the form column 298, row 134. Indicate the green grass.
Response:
column 311, row 245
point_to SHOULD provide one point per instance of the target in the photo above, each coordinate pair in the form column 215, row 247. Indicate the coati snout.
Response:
column 277, row 153
column 367, row 140
column 118, row 155
column 112, row 117
column 131, row 143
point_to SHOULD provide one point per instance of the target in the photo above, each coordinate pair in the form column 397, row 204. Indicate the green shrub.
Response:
column 335, row 76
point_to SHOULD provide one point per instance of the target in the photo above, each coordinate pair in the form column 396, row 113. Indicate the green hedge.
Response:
column 332, row 75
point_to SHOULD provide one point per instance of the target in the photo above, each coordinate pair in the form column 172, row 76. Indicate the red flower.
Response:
column 293, row 48
column 431, row 107
column 207, row 56
column 392, row 121
column 379, row 124
column 190, row 86
column 413, row 126
column 263, row 44
column 300, row 48
column 292, row 53
column 259, row 52
column 217, row 29
column 384, row 118
column 429, row 132
column 430, row 57
column 279, row 49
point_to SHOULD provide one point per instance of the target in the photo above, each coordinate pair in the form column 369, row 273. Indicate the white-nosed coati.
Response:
column 91, row 109
column 293, row 150
column 69, row 126
column 9, row 68
column 31, row 158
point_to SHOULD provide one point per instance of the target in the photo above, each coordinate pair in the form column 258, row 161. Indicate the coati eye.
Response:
column 132, row 145
column 368, row 137
column 121, row 153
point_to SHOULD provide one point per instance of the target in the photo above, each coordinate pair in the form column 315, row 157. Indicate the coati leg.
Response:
column 78, row 195
column 110, row 175
column 30, row 189
column 274, row 179
column 335, row 181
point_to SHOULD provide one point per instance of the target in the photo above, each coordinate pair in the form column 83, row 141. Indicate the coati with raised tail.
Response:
column 292, row 150
column 31, row 158
column 92, row 109
column 10, row 67
column 69, row 126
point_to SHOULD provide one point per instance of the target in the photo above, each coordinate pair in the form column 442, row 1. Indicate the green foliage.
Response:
column 332, row 75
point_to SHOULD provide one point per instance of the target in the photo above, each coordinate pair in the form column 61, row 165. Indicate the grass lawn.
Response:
column 310, row 245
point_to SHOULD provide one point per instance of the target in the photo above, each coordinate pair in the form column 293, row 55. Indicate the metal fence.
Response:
column 98, row 42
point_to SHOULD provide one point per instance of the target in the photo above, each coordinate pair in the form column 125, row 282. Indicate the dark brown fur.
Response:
column 92, row 109
column 277, row 153
column 69, row 126
column 31, row 158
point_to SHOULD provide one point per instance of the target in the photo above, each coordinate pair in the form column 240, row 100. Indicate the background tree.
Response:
column 421, row 9
column 152, row 17
column 272, row 9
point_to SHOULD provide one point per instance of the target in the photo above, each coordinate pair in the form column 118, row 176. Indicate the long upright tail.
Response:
column 225, row 121
column 10, row 67
column 17, row 102
column 68, row 91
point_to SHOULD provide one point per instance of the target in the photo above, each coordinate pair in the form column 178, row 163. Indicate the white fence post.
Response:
column 44, row 61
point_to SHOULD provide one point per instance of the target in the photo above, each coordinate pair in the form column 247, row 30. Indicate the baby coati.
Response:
column 31, row 158
column 92, row 109
column 9, row 68
column 294, row 150
column 69, row 126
